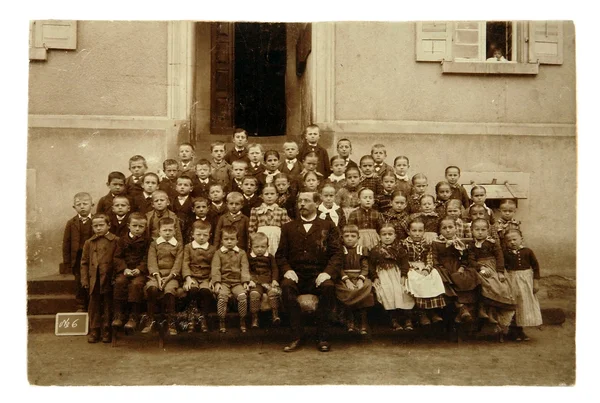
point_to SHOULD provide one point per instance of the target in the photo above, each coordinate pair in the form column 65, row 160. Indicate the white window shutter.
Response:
column 546, row 42
column 469, row 41
column 434, row 41
column 51, row 34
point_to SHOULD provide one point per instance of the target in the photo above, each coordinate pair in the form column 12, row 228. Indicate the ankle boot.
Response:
column 203, row 324
column 243, row 324
column 106, row 334
column 350, row 322
column 254, row 324
column 492, row 315
column 363, row 322
column 482, row 313
column 435, row 317
column 275, row 310
column 222, row 327
column 172, row 325
column 424, row 319
column 118, row 315
column 94, row 336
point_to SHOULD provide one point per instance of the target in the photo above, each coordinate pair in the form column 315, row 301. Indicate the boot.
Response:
column 350, row 322
column 243, row 324
column 106, row 334
column 254, row 324
column 192, row 314
column 423, row 319
column 94, row 336
column 242, row 310
column 396, row 325
column 363, row 322
column 408, row 325
column 172, row 326
column 222, row 327
column 254, row 308
column 492, row 315
column 464, row 314
column 149, row 324
column 275, row 310
column 118, row 316
column 482, row 313
column 436, row 318
column 203, row 324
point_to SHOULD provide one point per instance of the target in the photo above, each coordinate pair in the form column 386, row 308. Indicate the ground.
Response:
column 389, row 359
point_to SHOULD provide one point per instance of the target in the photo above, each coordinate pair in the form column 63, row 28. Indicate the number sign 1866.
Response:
column 71, row 324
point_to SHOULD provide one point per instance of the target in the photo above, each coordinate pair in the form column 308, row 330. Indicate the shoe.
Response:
column 465, row 315
column 276, row 320
column 351, row 328
column 395, row 325
column 424, row 320
column 482, row 313
column 492, row 317
column 117, row 322
column 323, row 346
column 148, row 328
column 203, row 324
column 222, row 328
column 524, row 336
column 435, row 318
column 191, row 327
column 364, row 332
column 131, row 324
column 106, row 335
column 172, row 328
column 94, row 336
column 254, row 324
column 293, row 346
column 408, row 325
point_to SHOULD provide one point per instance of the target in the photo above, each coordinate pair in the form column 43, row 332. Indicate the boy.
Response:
column 312, row 135
column 186, row 159
column 239, row 150
column 369, row 179
column 201, row 212
column 233, row 218
column 97, row 262
column 119, row 216
column 197, row 258
column 379, row 155
column 230, row 276
column 387, row 186
column 142, row 202
column 78, row 230
column 255, row 155
column 160, row 204
column 116, row 187
column 239, row 170
column 220, row 170
column 286, row 194
column 137, row 167
column 344, row 149
column 130, row 272
column 216, row 195
column 250, row 194
column 202, row 181
column 290, row 165
column 165, row 256
column 182, row 204
column 263, row 278
column 452, row 174
column 168, row 183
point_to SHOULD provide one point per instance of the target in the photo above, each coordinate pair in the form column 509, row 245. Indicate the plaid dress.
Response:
column 368, row 223
column 420, row 256
column 268, row 219
column 370, row 183
column 399, row 221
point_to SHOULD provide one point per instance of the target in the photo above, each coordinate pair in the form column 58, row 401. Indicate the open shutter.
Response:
column 469, row 41
column 222, row 89
column 434, row 41
column 51, row 34
column 546, row 42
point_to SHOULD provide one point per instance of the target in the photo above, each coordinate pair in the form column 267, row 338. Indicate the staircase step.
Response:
column 51, row 304
column 55, row 284
column 41, row 323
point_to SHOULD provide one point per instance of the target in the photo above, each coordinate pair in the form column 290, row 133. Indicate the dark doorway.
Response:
column 259, row 78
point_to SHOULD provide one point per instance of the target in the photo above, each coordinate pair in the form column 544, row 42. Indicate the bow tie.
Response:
column 205, row 181
column 83, row 219
column 291, row 162
column 264, row 208
column 378, row 167
column 457, row 243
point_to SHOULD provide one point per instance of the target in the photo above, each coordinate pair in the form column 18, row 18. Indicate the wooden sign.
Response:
column 71, row 324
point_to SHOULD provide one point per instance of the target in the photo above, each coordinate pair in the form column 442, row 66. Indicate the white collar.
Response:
column 402, row 178
column 171, row 241
column 217, row 205
column 309, row 219
column 324, row 209
column 248, row 197
column 196, row 245
column 131, row 235
column 203, row 180
column 182, row 198
column 224, row 249
column 239, row 150
column 236, row 214
column 255, row 164
column 89, row 217
column 146, row 195
column 254, row 254
column 291, row 162
column 312, row 145
column 120, row 218
column 275, row 172
column 337, row 178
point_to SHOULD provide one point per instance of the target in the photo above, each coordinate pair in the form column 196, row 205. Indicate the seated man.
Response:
column 310, row 257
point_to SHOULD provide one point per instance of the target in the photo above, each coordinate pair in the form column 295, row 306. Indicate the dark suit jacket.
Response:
column 141, row 204
column 248, row 204
column 116, row 228
column 293, row 173
column 73, row 240
column 201, row 189
column 133, row 189
column 168, row 186
column 184, row 213
column 310, row 253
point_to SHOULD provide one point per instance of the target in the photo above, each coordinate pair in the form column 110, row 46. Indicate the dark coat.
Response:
column 98, row 261
column 116, row 228
column 75, row 235
column 132, row 254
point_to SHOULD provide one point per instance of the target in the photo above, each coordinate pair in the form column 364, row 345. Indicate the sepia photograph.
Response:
column 273, row 203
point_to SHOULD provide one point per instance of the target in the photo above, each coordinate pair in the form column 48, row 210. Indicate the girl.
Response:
column 397, row 215
column 450, row 260
column 385, row 189
column 401, row 165
column 338, row 169
column 347, row 197
column 286, row 195
column 507, row 221
column 484, row 254
column 354, row 288
column 443, row 192
column 271, row 168
column 454, row 211
column 328, row 210
column 419, row 186
column 268, row 218
column 523, row 273
column 367, row 219
column 424, row 281
column 310, row 182
column 478, row 196
column 429, row 217
column 388, row 267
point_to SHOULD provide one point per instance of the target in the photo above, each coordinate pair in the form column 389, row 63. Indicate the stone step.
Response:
column 51, row 304
column 55, row 284
column 41, row 323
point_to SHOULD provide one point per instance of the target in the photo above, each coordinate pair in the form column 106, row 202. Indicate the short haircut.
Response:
column 440, row 184
column 508, row 202
column 364, row 189
column 159, row 193
column 255, row 145
column 416, row 220
column 101, row 216
column 451, row 167
column 185, row 177
column 151, row 174
column 513, row 230
column 121, row 197
column 234, row 197
column 336, row 158
column 258, row 237
column 199, row 200
column 350, row 229
column 190, row 145
column 165, row 221
column 229, row 230
column 217, row 144
column 478, row 220
column 138, row 158
column 311, row 126
column 169, row 162
column 454, row 203
column 316, row 196
column 365, row 158
column 417, row 177
column 311, row 154
column 116, row 175
column 268, row 153
column 239, row 162
column 250, row 177
column 401, row 157
column 239, row 130
column 203, row 161
column 343, row 139
column 289, row 143
column 478, row 187
column 215, row 185
column 425, row 196
column 82, row 195
column 201, row 225
column 352, row 168
column 138, row 216
column 397, row 193
column 378, row 146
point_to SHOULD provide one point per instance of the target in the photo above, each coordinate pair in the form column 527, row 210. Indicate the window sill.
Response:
column 449, row 67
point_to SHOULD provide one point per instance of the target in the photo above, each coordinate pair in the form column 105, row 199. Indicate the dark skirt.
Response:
column 355, row 299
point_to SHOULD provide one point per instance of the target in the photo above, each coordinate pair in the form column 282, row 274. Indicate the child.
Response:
column 397, row 215
column 367, row 219
column 344, row 149
column 338, row 169
column 286, row 196
column 142, row 202
column 97, row 262
column 310, row 182
column 186, row 159
column 233, row 218
column 78, row 230
column 160, row 204
column 169, row 182
column 523, row 273
column 202, row 180
column 239, row 150
column 116, row 186
column 354, row 288
column 454, row 211
column 328, row 210
column 216, row 195
column 268, row 218
column 379, row 155
column 424, row 281
column 450, row 260
column 478, row 196
column 119, row 216
column 388, row 267
column 442, row 196
column 310, row 163
column 263, row 277
column 369, row 178
column 484, row 254
column 165, row 256
column 476, row 212
column 137, row 167
column 255, row 155
column 496, row 56
column 271, row 168
column 290, row 165
column 386, row 188
column 250, row 196
column 220, row 170
column 201, row 212
column 401, row 165
column 507, row 220
column 312, row 135
column 429, row 217
column 182, row 205
column 195, row 270
column 347, row 197
column 239, row 170
column 131, row 272
column 230, row 276
column 452, row 174
column 419, row 187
